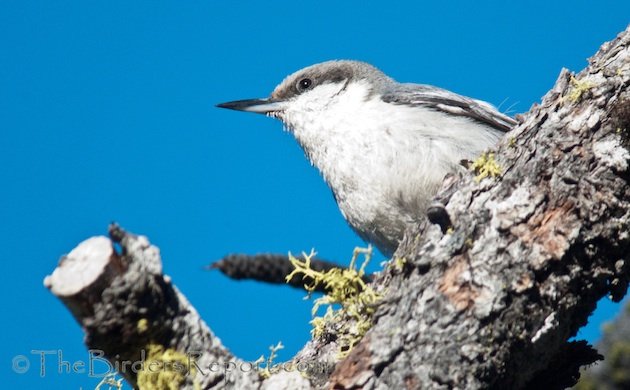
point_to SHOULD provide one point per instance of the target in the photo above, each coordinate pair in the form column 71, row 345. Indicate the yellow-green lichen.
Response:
column 485, row 166
column 578, row 88
column 142, row 325
column 346, row 288
column 399, row 263
column 111, row 382
column 512, row 142
column 164, row 369
column 269, row 368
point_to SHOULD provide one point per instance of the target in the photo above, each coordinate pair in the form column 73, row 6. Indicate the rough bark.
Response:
column 489, row 302
column 127, row 307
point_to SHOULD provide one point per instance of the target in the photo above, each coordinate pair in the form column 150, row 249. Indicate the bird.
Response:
column 383, row 147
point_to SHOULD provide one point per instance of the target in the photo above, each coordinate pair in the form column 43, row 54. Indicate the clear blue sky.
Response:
column 107, row 113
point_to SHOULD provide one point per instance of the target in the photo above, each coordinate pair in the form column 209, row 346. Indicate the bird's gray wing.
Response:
column 449, row 102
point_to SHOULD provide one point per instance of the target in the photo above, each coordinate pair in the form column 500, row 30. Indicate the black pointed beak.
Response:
column 260, row 106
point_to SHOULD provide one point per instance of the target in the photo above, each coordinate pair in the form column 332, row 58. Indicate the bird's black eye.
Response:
column 304, row 84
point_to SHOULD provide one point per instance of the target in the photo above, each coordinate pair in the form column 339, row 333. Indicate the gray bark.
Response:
column 489, row 303
column 124, row 304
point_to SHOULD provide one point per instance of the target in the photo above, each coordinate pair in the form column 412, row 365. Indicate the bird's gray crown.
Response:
column 328, row 72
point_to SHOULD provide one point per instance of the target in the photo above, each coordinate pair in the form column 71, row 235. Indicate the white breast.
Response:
column 382, row 161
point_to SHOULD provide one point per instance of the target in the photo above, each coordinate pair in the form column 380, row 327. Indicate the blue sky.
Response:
column 107, row 113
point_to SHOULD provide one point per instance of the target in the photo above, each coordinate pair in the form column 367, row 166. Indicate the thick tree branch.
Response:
column 132, row 313
column 492, row 302
column 488, row 302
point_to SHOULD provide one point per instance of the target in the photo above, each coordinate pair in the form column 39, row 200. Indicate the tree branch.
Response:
column 132, row 313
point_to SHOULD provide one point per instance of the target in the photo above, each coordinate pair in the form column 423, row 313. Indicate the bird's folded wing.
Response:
column 449, row 102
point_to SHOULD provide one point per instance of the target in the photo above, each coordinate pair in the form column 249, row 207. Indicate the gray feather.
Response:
column 448, row 102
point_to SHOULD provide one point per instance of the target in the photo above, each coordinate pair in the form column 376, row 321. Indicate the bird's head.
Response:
column 310, row 92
